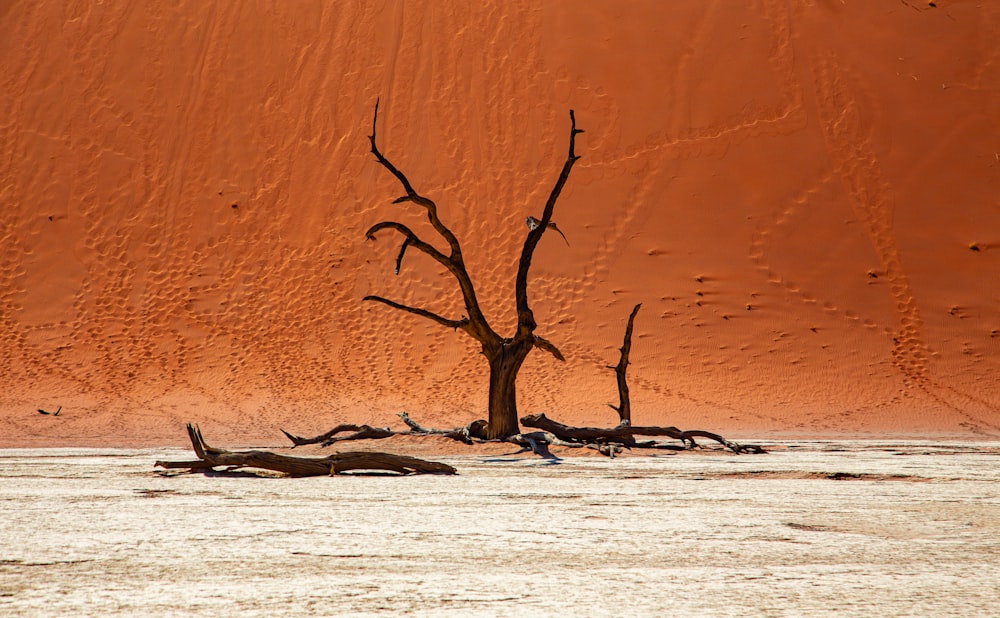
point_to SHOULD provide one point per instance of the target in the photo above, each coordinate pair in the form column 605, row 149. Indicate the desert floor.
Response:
column 812, row 529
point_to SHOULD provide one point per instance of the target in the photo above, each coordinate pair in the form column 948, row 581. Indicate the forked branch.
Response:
column 478, row 327
column 525, row 318
column 411, row 239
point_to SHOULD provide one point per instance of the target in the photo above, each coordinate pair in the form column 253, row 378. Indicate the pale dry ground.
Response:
column 97, row 532
column 802, row 193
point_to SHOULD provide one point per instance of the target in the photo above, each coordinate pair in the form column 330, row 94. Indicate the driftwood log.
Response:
column 210, row 457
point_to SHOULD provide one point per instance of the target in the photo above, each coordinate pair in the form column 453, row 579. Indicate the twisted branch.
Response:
column 409, row 235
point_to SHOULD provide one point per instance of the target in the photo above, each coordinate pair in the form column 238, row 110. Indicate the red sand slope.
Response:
column 791, row 188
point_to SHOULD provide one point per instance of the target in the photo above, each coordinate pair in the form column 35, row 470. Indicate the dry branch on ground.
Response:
column 476, row 430
column 210, row 457
column 624, row 434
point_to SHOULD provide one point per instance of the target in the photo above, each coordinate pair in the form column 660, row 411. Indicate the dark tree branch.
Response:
column 402, row 252
column 525, row 319
column 358, row 432
column 475, row 429
column 463, row 323
column 479, row 328
column 623, row 434
column 544, row 344
column 624, row 408
column 299, row 441
column 690, row 435
column 411, row 193
column 413, row 239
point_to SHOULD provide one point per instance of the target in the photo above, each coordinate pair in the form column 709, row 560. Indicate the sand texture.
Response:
column 804, row 195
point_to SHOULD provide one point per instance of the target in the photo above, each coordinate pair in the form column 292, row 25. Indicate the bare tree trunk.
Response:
column 624, row 408
column 504, row 366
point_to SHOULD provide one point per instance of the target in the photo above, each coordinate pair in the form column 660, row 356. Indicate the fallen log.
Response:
column 624, row 434
column 621, row 434
column 210, row 457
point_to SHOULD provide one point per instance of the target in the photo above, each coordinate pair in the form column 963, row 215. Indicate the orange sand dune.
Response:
column 804, row 195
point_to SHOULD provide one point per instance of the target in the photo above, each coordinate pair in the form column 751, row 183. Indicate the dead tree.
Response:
column 210, row 457
column 505, row 355
column 624, row 434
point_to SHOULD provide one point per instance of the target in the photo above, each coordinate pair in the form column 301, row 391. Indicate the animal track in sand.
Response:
column 851, row 152
column 761, row 242
column 850, row 147
column 654, row 157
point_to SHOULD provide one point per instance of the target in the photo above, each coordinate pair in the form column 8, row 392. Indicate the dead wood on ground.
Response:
column 476, row 430
column 624, row 434
column 359, row 432
column 210, row 457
